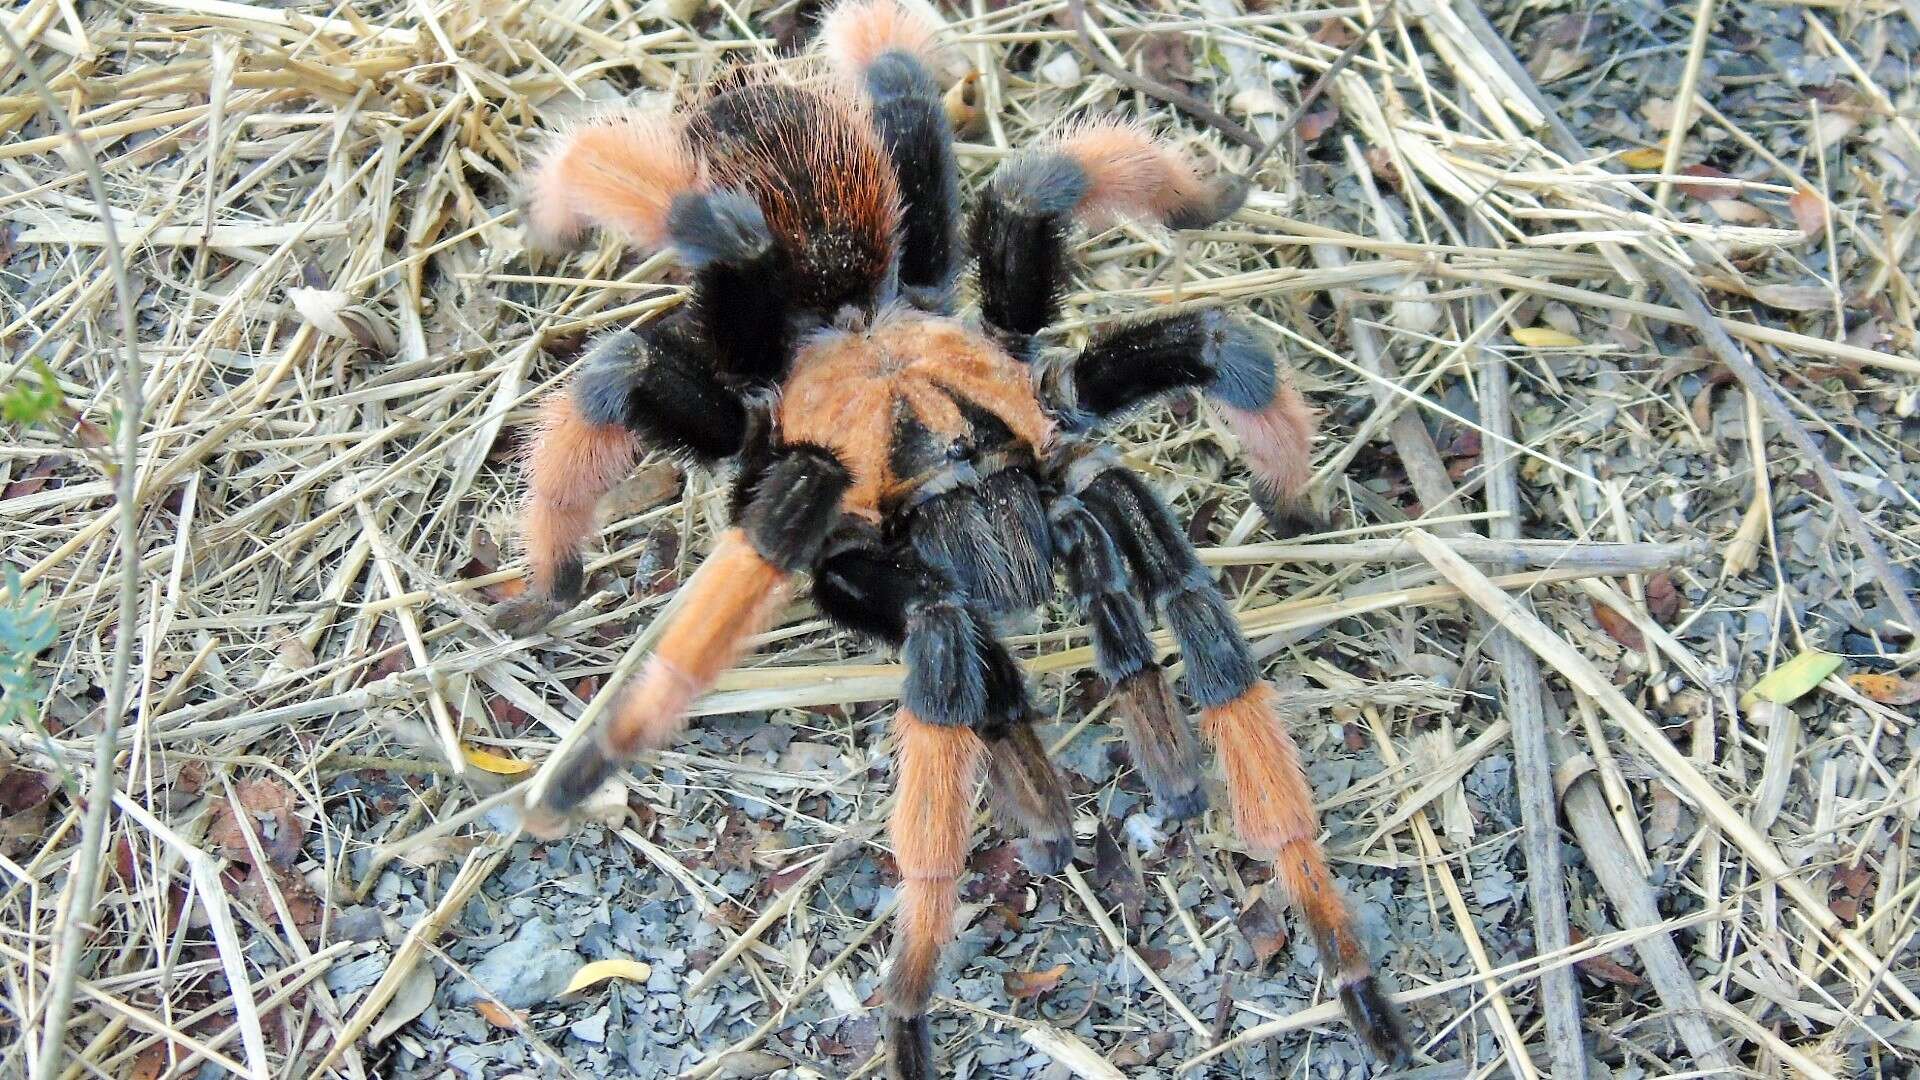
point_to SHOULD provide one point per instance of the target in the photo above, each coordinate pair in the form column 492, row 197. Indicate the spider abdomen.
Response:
column 820, row 176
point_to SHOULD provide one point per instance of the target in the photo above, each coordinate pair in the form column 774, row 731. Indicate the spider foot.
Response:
column 1045, row 856
column 551, row 813
column 1287, row 517
column 1374, row 1019
column 1182, row 805
column 525, row 616
column 910, row 1048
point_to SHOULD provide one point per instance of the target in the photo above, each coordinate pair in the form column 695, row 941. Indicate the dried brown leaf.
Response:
column 504, row 1019
column 35, row 478
column 1031, row 984
column 1809, row 211
column 269, row 805
column 1315, row 124
column 1263, row 929
column 1706, row 192
column 1380, row 160
column 1886, row 689
column 1609, row 971
column 999, row 876
column 1663, row 599
column 1144, row 1052
column 1618, row 627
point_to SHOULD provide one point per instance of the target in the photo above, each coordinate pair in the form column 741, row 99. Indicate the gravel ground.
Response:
column 329, row 487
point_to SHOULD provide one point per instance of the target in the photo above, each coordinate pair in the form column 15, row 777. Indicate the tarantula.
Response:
column 929, row 472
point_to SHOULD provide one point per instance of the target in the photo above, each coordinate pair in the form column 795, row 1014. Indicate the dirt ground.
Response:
column 1649, row 369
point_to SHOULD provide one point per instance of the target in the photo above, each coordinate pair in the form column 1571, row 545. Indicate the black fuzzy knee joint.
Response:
column 796, row 505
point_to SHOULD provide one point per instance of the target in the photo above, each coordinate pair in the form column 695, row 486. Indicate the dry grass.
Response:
column 309, row 530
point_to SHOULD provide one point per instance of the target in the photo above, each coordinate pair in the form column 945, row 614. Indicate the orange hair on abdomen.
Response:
column 811, row 161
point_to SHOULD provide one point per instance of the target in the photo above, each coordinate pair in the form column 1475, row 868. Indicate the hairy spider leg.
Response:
column 1147, row 359
column 1164, row 749
column 1272, row 803
column 936, row 773
column 1096, row 173
column 991, row 534
column 1026, row 797
column 885, row 52
column 957, row 672
column 964, row 698
column 650, row 387
column 730, row 599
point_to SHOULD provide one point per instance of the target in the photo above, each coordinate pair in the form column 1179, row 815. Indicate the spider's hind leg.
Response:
column 957, row 673
column 885, row 51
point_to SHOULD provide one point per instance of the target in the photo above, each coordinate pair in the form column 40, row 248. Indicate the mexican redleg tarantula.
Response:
column 929, row 472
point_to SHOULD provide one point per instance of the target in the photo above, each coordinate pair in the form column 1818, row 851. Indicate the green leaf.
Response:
column 1794, row 679
column 27, row 404
column 26, row 630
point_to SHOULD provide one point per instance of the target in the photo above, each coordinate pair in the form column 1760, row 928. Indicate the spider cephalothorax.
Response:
column 930, row 473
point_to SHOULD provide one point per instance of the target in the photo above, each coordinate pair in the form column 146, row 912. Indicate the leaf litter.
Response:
column 338, row 383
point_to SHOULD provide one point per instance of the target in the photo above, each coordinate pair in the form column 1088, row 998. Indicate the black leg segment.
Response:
column 796, row 506
column 1019, row 241
column 659, row 382
column 1162, row 742
column 912, row 121
column 1204, row 350
column 1220, row 667
column 957, row 671
column 1025, row 795
column 1140, row 361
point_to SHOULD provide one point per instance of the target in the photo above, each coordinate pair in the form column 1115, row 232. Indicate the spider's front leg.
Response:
column 964, row 706
column 1273, row 809
column 1151, row 358
column 637, row 388
column 1156, row 730
column 731, row 598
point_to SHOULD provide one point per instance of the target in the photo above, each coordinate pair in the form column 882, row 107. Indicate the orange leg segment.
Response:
column 573, row 462
column 1273, row 812
column 936, row 772
column 732, row 597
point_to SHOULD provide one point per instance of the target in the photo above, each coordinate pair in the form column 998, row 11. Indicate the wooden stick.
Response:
column 1500, row 554
column 1619, row 874
column 1523, row 699
column 1654, row 743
